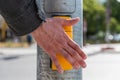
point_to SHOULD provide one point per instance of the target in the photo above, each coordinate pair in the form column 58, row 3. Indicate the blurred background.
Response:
column 101, row 21
column 9, row 39
column 101, row 39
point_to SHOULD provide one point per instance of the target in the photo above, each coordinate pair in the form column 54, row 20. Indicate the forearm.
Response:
column 20, row 15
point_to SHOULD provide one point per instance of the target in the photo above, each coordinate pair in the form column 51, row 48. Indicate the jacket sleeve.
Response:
column 20, row 15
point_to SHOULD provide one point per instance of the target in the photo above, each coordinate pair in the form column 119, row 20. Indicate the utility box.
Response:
column 60, row 6
column 48, row 9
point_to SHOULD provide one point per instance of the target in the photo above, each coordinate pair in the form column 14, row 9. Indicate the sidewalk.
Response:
column 19, row 51
column 96, row 48
column 89, row 49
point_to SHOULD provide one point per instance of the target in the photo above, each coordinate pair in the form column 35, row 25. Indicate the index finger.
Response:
column 70, row 21
column 75, row 46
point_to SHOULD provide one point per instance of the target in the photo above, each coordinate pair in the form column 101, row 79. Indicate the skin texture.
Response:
column 51, row 36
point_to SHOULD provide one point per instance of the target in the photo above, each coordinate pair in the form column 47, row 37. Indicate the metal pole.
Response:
column 60, row 7
column 107, row 21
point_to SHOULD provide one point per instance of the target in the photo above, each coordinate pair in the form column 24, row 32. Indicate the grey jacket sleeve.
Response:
column 20, row 15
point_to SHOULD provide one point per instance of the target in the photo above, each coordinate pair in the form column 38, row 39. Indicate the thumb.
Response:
column 71, row 21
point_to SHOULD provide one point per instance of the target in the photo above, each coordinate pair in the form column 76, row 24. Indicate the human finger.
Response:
column 75, row 46
column 75, row 55
column 57, row 64
column 71, row 60
column 70, row 22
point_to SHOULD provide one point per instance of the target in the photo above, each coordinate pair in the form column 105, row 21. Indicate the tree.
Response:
column 115, row 20
column 115, row 8
column 94, row 14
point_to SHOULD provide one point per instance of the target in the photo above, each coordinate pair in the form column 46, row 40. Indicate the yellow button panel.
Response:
column 63, row 62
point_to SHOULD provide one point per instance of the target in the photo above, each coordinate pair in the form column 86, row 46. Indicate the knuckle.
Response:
column 61, row 40
column 64, row 44
column 73, row 53
column 81, row 62
column 66, row 56
column 76, row 46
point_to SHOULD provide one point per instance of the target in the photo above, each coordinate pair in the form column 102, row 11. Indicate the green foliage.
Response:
column 118, row 28
column 115, row 8
column 115, row 16
column 94, row 14
column 113, row 25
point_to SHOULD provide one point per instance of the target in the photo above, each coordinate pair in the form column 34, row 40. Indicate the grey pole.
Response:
column 108, row 11
column 74, row 8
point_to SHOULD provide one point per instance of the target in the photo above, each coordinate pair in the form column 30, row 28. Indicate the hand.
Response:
column 51, row 36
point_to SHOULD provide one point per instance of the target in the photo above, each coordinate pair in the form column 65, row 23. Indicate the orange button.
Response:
column 63, row 62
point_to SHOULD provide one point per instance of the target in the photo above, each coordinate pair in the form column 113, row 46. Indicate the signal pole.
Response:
column 50, row 8
column 108, row 11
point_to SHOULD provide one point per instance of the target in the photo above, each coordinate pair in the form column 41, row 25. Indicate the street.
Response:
column 14, row 67
column 103, row 66
column 100, row 65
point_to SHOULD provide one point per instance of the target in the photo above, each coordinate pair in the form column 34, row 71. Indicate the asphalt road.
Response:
column 14, row 67
column 102, row 66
